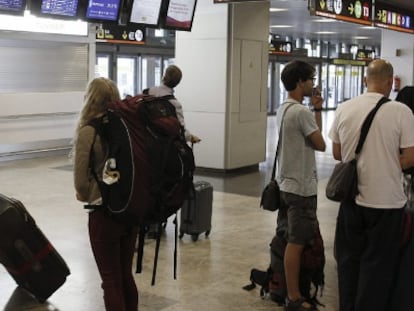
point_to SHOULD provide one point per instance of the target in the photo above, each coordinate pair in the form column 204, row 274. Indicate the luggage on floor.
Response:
column 196, row 213
column 26, row 253
column 311, row 278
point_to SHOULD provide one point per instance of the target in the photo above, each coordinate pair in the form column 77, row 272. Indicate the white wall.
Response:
column 404, row 64
column 42, row 119
column 25, row 117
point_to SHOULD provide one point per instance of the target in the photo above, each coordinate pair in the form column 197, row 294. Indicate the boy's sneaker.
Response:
column 297, row 305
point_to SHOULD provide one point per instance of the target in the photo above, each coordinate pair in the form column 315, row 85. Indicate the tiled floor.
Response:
column 211, row 271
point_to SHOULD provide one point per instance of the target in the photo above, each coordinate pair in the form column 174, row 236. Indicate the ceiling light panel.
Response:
column 281, row 26
column 273, row 10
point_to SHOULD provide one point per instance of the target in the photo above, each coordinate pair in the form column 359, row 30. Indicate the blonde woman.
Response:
column 112, row 243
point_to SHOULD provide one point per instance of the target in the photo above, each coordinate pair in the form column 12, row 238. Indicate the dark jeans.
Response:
column 367, row 242
column 113, row 246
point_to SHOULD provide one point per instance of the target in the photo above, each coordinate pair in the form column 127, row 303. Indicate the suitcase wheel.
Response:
column 194, row 237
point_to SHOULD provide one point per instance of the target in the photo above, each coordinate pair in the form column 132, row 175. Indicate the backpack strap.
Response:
column 175, row 246
column 157, row 249
column 168, row 97
column 97, row 125
column 367, row 124
column 140, row 250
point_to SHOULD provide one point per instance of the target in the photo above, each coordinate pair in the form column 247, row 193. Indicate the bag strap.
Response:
column 97, row 124
column 168, row 97
column 157, row 249
column 278, row 142
column 175, row 222
column 367, row 124
column 140, row 249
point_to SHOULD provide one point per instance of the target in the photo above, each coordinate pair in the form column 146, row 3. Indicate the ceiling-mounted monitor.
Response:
column 15, row 7
column 180, row 14
column 146, row 12
column 65, row 9
column 103, row 10
column 233, row 1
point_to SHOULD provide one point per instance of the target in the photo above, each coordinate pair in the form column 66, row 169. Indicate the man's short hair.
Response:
column 296, row 71
column 172, row 76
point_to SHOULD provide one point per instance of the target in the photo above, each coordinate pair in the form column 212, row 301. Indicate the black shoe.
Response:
column 297, row 305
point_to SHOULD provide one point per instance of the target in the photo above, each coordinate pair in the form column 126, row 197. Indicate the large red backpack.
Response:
column 148, row 151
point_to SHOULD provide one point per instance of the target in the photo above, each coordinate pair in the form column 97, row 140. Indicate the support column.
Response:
column 224, row 60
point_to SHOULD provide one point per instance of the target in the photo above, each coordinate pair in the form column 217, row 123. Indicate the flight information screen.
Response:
column 180, row 14
column 107, row 10
column 60, row 7
column 146, row 12
column 16, row 6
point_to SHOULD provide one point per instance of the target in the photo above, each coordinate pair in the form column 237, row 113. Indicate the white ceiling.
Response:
column 295, row 13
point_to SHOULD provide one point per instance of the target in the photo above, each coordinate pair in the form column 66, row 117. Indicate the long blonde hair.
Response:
column 99, row 92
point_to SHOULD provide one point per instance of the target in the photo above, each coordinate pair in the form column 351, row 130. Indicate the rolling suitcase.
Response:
column 196, row 213
column 27, row 254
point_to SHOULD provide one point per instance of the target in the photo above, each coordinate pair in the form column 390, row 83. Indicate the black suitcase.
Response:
column 196, row 213
column 27, row 254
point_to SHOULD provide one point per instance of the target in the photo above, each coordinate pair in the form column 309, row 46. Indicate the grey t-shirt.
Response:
column 296, row 160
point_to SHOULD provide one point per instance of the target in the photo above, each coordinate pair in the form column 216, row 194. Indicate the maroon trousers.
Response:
column 113, row 246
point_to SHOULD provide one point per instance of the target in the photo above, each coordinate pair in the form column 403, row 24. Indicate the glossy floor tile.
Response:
column 211, row 271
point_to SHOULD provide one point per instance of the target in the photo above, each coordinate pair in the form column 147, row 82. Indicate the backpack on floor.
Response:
column 149, row 171
column 273, row 282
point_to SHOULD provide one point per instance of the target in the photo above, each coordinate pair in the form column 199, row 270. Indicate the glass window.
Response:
column 102, row 66
column 126, row 73
column 151, row 71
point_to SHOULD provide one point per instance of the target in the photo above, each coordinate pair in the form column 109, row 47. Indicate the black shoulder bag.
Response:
column 270, row 200
column 343, row 183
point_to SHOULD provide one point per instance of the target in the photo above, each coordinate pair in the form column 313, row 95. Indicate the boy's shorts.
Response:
column 297, row 219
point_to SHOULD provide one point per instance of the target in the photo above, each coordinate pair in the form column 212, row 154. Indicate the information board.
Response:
column 120, row 34
column 103, row 10
column 393, row 18
column 180, row 14
column 146, row 12
column 60, row 7
column 281, row 47
column 12, row 6
column 359, row 11
column 363, row 54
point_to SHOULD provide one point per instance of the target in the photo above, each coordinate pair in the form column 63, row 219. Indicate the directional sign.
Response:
column 358, row 11
column 282, row 47
column 393, row 18
column 120, row 34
